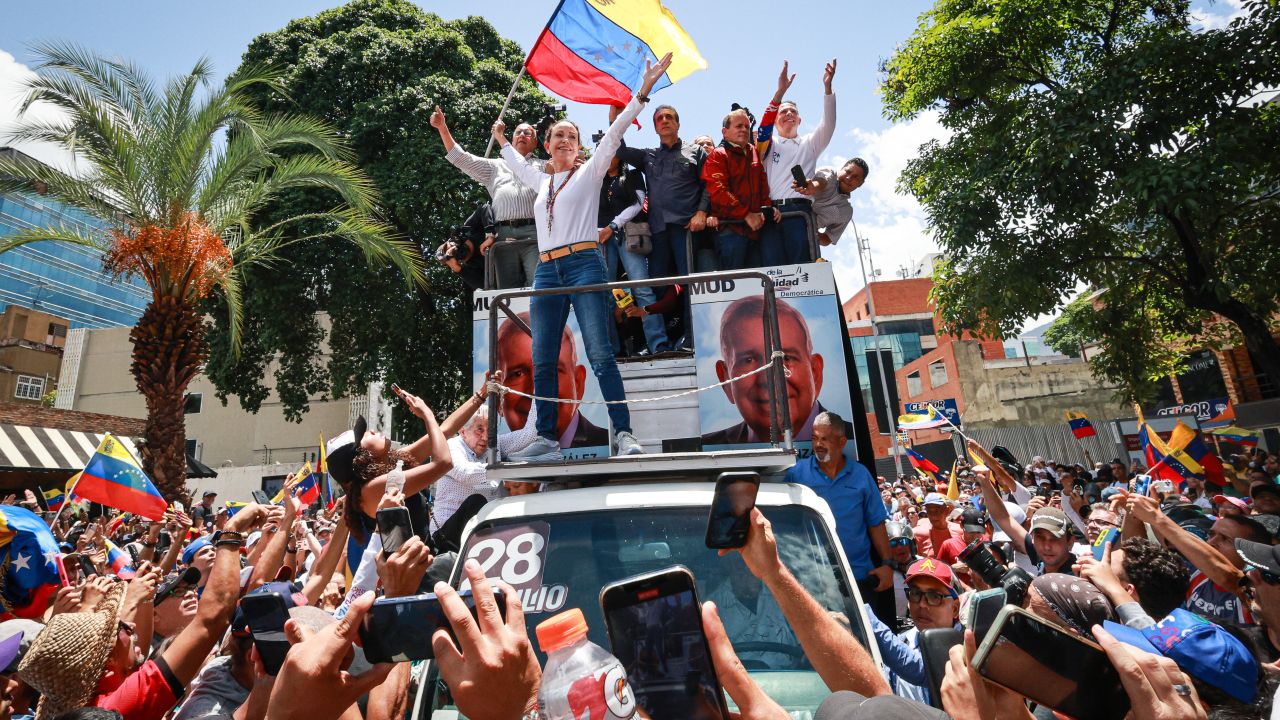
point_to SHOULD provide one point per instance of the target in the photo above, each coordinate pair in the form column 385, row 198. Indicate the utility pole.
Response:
column 864, row 244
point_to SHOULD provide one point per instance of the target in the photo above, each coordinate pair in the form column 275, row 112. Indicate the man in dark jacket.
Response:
column 739, row 191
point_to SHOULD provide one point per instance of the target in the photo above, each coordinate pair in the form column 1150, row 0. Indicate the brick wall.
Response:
column 13, row 413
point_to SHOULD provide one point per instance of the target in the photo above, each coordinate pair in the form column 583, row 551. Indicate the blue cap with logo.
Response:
column 1200, row 648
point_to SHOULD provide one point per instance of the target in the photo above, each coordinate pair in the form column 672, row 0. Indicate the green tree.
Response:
column 184, row 209
column 375, row 69
column 1104, row 142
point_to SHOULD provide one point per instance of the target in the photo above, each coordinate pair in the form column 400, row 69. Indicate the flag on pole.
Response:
column 1167, row 461
column 1080, row 425
column 1233, row 434
column 54, row 498
column 594, row 51
column 921, row 462
column 119, row 562
column 953, row 486
column 1194, row 450
column 115, row 479
column 931, row 418
column 322, row 467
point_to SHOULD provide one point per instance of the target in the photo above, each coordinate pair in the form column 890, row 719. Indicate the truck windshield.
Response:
column 579, row 553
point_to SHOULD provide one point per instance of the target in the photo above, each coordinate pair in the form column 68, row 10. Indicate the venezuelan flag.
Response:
column 233, row 507
column 930, row 418
column 1165, row 461
column 1197, row 452
column 1080, row 425
column 29, row 559
column 921, row 462
column 292, row 482
column 113, row 478
column 307, row 490
column 1237, row 435
column 119, row 561
column 54, row 498
column 594, row 51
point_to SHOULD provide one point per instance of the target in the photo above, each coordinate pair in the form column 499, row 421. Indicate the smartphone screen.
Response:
column 266, row 615
column 400, row 629
column 86, row 566
column 730, row 519
column 394, row 527
column 655, row 628
column 1052, row 668
column 984, row 607
column 1141, row 484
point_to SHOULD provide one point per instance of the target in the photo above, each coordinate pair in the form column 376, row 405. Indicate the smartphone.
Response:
column 266, row 614
column 729, row 521
column 654, row 623
column 396, row 389
column 394, row 527
column 984, row 608
column 1141, row 484
column 1163, row 487
column 261, row 497
column 797, row 174
column 86, row 566
column 1051, row 667
column 1107, row 537
column 400, row 629
column 935, row 650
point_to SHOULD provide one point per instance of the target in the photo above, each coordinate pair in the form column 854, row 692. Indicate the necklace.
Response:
column 552, row 193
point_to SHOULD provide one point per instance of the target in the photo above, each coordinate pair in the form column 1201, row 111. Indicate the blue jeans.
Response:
column 548, row 315
column 736, row 251
column 795, row 239
column 637, row 267
column 670, row 257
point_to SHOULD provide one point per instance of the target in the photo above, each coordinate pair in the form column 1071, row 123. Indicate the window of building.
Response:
column 937, row 374
column 29, row 387
column 192, row 404
column 914, row 386
column 191, row 448
column 57, row 330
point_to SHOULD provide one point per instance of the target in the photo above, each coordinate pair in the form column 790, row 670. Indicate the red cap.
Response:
column 930, row 568
column 561, row 630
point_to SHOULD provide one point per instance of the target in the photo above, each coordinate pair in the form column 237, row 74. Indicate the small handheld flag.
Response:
column 1080, row 425
column 921, row 462
column 233, row 507
column 54, row 498
column 1237, row 435
column 119, row 562
column 594, row 51
column 114, row 478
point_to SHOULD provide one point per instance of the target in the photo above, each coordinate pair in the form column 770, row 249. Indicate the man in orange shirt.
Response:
column 934, row 529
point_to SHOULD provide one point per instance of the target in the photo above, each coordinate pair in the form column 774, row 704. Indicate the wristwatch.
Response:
column 230, row 538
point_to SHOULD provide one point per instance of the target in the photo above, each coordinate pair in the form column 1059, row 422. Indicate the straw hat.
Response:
column 67, row 659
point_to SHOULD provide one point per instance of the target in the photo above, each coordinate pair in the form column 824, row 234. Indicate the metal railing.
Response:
column 779, row 412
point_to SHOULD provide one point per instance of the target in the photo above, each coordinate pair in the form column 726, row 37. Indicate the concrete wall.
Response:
column 1001, row 394
column 242, row 447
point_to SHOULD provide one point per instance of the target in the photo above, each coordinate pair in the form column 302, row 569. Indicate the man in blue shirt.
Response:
column 854, row 499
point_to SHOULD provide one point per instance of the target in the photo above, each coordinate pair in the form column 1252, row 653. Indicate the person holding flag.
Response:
column 565, row 212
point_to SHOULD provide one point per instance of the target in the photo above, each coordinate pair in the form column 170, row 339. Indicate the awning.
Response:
column 198, row 470
column 25, row 447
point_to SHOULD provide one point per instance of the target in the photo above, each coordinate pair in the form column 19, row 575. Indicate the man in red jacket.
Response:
column 739, row 192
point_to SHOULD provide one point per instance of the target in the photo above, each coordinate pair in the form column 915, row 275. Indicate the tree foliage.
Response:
column 1104, row 142
column 374, row 69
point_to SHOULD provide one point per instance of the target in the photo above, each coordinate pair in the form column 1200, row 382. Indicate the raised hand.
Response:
column 437, row 119
column 828, row 75
column 784, row 82
column 499, row 131
column 653, row 72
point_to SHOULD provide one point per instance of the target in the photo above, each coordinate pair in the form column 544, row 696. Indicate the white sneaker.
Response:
column 627, row 444
column 540, row 450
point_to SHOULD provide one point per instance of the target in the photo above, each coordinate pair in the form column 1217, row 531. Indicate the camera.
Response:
column 596, row 137
column 550, row 114
column 452, row 248
column 1014, row 581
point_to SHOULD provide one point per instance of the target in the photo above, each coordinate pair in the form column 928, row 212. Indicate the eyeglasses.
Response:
column 899, row 542
column 525, row 131
column 932, row 598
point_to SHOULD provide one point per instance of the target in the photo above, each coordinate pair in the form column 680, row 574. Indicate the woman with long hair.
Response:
column 363, row 463
column 565, row 212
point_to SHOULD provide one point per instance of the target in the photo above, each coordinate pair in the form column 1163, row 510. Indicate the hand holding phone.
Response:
column 729, row 521
column 400, row 629
column 260, row 497
column 265, row 613
column 394, row 528
column 797, row 174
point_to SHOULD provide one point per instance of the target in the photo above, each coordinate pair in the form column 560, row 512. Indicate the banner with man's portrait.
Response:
column 728, row 317
column 583, row 429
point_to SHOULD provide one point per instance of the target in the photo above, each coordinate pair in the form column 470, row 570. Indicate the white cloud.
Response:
column 1216, row 15
column 893, row 222
column 12, row 76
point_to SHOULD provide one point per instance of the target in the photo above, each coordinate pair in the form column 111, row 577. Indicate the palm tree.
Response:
column 183, row 178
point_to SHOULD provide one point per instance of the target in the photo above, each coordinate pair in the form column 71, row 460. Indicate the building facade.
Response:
column 31, row 345
column 59, row 278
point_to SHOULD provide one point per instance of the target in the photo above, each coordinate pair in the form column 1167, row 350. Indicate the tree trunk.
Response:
column 168, row 350
column 1265, row 353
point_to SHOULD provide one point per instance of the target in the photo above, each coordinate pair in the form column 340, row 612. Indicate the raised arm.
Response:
column 995, row 505
column 598, row 165
column 325, row 565
column 438, row 122
column 1198, row 552
column 822, row 134
column 524, row 171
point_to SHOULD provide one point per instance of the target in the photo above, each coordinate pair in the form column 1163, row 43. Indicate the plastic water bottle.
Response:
column 581, row 679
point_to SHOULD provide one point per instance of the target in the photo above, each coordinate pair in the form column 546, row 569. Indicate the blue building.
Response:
column 59, row 278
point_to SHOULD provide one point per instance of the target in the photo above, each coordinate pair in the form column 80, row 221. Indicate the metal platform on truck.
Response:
column 649, row 466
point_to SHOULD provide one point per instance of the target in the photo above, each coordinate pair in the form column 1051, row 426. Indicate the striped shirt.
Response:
column 469, row 474
column 510, row 198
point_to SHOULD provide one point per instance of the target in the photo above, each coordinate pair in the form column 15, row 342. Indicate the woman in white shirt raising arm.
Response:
column 569, row 255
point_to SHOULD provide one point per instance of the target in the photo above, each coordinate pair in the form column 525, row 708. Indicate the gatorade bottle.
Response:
column 581, row 679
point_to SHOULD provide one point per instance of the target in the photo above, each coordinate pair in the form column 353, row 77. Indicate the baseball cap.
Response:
column 973, row 520
column 189, row 553
column 340, row 452
column 292, row 599
column 1200, row 648
column 17, row 637
column 1268, row 521
column 928, row 567
column 207, row 493
column 1267, row 487
column 849, row 705
column 1259, row 555
column 1241, row 503
column 1051, row 519
column 934, row 498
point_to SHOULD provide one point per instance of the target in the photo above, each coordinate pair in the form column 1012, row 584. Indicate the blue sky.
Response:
column 167, row 38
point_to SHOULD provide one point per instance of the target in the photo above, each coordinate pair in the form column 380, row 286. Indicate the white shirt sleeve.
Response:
column 1074, row 517
column 1021, row 494
column 525, row 171
column 626, row 215
column 517, row 440
column 598, row 165
column 821, row 137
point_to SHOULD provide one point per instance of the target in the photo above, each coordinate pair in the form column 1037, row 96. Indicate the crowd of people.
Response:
column 682, row 206
column 150, row 620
